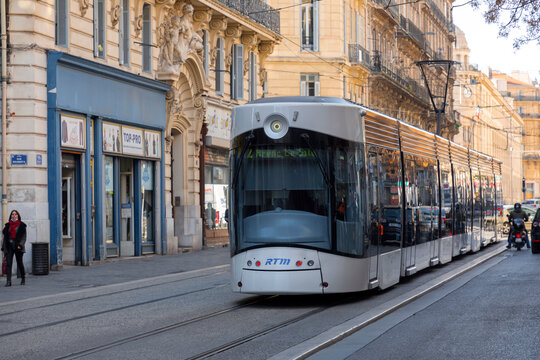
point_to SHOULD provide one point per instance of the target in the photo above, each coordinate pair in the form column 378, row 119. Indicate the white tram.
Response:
column 328, row 197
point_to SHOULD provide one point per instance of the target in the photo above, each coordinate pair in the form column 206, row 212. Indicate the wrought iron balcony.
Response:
column 380, row 65
column 529, row 115
column 446, row 21
column 257, row 11
column 391, row 11
column 527, row 98
column 359, row 55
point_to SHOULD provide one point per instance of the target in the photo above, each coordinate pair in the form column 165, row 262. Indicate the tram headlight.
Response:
column 311, row 263
column 249, row 263
column 276, row 126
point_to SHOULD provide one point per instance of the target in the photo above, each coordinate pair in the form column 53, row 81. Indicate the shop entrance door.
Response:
column 127, row 244
column 71, row 210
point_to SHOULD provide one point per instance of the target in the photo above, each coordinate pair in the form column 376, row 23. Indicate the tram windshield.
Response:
column 283, row 190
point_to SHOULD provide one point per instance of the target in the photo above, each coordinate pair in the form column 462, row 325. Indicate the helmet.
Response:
column 517, row 206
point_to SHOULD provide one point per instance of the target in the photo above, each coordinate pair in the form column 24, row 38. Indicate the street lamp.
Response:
column 431, row 72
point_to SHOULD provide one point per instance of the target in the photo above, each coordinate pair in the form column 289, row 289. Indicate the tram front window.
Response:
column 282, row 192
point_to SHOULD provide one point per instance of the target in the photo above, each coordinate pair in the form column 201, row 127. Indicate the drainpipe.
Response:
column 3, row 38
column 202, row 180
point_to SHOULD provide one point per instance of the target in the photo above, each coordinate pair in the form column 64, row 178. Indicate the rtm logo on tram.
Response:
column 277, row 261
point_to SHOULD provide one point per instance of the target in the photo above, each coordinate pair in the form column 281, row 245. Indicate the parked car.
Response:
column 533, row 203
column 508, row 208
column 535, row 233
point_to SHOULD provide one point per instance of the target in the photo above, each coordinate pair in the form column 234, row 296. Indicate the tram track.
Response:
column 163, row 329
column 113, row 293
column 121, row 308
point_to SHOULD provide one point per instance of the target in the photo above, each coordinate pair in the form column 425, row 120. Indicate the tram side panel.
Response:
column 447, row 213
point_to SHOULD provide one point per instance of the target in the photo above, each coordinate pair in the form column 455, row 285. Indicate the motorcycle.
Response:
column 519, row 233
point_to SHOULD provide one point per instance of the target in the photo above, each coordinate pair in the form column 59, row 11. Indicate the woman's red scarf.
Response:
column 13, row 225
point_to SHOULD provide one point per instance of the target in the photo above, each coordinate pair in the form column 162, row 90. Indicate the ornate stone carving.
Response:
column 202, row 16
column 138, row 24
column 218, row 23
column 83, row 6
column 233, row 31
column 249, row 40
column 200, row 104
column 115, row 14
column 177, row 39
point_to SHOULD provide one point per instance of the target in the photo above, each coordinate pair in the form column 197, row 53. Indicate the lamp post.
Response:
column 431, row 72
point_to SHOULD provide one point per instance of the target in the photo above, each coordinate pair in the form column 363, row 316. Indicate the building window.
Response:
column 147, row 40
column 219, row 66
column 309, row 85
column 99, row 28
column 237, row 72
column 123, row 33
column 62, row 24
column 252, row 76
column 309, row 31
column 206, row 52
column 215, row 195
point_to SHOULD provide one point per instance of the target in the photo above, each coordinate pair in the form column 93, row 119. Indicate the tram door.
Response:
column 374, row 213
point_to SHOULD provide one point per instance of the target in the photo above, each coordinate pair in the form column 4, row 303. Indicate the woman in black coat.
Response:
column 13, row 244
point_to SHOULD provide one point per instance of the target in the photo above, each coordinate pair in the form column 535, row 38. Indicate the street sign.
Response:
column 19, row 159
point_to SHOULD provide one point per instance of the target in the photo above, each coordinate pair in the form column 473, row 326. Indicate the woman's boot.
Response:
column 8, row 283
column 22, row 281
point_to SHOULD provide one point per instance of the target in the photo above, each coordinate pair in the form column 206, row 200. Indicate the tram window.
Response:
column 390, row 175
column 348, row 162
column 411, row 200
column 425, row 214
column 477, row 202
column 446, row 206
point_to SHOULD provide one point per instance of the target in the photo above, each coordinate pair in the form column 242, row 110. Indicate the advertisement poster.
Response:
column 132, row 141
column 219, row 122
column 73, row 132
column 112, row 141
column 152, row 144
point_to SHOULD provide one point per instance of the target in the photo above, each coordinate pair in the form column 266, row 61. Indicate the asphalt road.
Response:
column 493, row 312
column 181, row 307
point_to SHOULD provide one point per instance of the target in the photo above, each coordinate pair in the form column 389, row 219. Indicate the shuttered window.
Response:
column 237, row 72
column 219, row 66
column 252, row 76
column 99, row 28
column 147, row 39
column 309, row 85
column 206, row 53
column 62, row 24
column 309, row 25
column 123, row 33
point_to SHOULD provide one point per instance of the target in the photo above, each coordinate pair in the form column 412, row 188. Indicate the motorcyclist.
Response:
column 517, row 213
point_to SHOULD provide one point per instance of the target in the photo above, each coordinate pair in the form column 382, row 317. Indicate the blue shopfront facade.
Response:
column 105, row 140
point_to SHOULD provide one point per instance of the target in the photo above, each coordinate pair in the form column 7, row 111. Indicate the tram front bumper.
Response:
column 281, row 282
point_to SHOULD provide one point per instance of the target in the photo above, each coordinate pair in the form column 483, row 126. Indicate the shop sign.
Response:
column 219, row 122
column 112, row 141
column 152, row 144
column 72, row 132
column 132, row 141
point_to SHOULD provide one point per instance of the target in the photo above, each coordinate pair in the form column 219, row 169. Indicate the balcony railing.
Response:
column 257, row 11
column 446, row 21
column 391, row 10
column 530, row 115
column 528, row 98
column 359, row 55
column 380, row 65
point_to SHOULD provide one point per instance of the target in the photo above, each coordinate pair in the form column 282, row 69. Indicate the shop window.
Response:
column 123, row 33
column 67, row 207
column 62, row 23
column 99, row 28
column 216, row 193
column 147, row 200
column 108, row 162
column 147, row 39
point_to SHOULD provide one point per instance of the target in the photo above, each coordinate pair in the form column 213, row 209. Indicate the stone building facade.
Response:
column 112, row 108
column 366, row 52
column 526, row 96
column 490, row 122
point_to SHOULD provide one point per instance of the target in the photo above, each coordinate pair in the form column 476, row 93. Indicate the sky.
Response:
column 489, row 50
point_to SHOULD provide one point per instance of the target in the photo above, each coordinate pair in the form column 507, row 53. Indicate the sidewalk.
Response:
column 113, row 271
